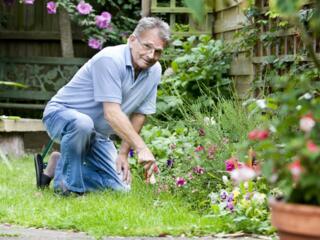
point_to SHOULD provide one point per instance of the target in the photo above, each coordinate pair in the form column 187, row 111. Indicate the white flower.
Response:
column 153, row 179
column 259, row 197
column 209, row 121
column 225, row 179
column 272, row 128
column 242, row 174
column 246, row 185
column 306, row 96
column 214, row 197
column 307, row 123
column 261, row 103
column 298, row 107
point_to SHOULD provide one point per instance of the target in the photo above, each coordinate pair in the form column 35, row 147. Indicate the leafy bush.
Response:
column 201, row 68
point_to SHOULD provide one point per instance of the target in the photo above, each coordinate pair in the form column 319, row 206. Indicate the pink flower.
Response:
column 95, row 43
column 52, row 7
column 307, row 122
column 295, row 169
column 212, row 149
column 199, row 148
column 312, row 147
column 29, row 2
column 253, row 134
column 257, row 134
column 103, row 20
column 198, row 170
column 231, row 164
column 190, row 176
column 180, row 181
column 155, row 168
column 263, row 134
column 242, row 174
column 84, row 8
column 202, row 132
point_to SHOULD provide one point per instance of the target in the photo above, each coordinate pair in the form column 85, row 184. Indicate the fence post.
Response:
column 65, row 34
column 146, row 8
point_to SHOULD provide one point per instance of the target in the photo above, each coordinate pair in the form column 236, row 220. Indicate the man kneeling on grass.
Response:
column 112, row 93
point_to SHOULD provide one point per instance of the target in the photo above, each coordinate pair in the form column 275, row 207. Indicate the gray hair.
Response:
column 148, row 23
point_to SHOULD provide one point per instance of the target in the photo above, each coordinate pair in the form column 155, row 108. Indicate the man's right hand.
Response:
column 146, row 158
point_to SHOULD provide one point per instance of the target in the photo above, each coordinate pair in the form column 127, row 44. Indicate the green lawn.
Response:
column 141, row 212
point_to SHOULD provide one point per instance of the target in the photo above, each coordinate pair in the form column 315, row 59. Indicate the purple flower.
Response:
column 180, row 181
column 95, row 43
column 131, row 152
column 198, row 170
column 84, row 8
column 29, row 2
column 230, row 206
column 248, row 196
column 170, row 163
column 52, row 7
column 103, row 20
column 230, row 198
column 223, row 195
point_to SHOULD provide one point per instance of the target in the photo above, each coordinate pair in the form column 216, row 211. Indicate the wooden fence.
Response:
column 28, row 30
column 227, row 19
column 178, row 16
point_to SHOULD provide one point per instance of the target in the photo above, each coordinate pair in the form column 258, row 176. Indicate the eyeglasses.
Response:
column 149, row 48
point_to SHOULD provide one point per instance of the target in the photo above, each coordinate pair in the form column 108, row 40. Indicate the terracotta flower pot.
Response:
column 295, row 221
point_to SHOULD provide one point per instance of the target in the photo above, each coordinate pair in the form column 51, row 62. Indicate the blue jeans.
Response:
column 87, row 161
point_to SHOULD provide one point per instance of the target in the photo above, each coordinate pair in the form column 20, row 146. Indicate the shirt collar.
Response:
column 127, row 56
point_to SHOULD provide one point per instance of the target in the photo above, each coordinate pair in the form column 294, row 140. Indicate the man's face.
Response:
column 146, row 49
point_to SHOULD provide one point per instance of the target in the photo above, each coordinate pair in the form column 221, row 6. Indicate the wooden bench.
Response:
column 18, row 134
column 42, row 76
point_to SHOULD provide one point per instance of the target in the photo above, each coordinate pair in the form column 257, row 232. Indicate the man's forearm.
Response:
column 122, row 126
column 137, row 120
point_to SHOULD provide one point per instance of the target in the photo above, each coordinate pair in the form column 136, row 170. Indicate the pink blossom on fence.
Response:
column 103, row 20
column 307, row 122
column 9, row 2
column 29, row 2
column 84, row 8
column 52, row 7
column 95, row 43
column 180, row 181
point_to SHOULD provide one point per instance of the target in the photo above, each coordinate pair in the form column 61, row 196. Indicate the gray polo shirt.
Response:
column 109, row 77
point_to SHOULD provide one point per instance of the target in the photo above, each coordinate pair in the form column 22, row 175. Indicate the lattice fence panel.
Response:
column 180, row 19
column 287, row 44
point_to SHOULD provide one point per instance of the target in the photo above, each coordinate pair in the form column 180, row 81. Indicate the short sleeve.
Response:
column 106, row 76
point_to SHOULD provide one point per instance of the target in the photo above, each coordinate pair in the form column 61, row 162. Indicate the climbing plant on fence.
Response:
column 101, row 21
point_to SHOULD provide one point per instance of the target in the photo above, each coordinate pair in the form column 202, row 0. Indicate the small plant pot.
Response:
column 295, row 221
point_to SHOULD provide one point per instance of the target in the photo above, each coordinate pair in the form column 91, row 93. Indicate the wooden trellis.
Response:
column 287, row 45
column 178, row 16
